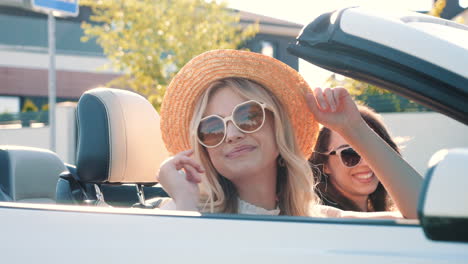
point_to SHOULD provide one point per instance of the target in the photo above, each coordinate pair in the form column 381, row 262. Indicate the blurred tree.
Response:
column 379, row 99
column 437, row 8
column 151, row 40
column 460, row 20
column 43, row 115
column 29, row 112
column 6, row 116
column 29, row 106
column 45, row 107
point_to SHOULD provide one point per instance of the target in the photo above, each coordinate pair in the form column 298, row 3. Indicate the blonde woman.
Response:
column 240, row 126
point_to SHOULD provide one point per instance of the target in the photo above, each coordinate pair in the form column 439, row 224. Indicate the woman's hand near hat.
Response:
column 335, row 109
column 179, row 175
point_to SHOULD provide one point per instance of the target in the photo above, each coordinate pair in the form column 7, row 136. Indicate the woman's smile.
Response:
column 354, row 182
column 364, row 177
column 240, row 151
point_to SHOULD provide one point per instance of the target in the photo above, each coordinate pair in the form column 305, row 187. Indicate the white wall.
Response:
column 40, row 137
column 40, row 60
column 10, row 104
column 66, row 131
column 31, row 137
column 427, row 132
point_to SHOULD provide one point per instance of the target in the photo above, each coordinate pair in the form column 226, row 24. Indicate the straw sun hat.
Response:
column 195, row 77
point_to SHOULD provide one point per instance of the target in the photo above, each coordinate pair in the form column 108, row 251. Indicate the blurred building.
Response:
column 24, row 56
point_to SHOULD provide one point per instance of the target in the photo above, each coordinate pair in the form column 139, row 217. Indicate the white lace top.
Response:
column 248, row 208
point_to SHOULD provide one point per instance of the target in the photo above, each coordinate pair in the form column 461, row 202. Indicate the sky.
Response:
column 304, row 11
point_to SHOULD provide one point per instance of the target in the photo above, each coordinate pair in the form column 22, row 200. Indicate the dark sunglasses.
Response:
column 349, row 157
column 248, row 117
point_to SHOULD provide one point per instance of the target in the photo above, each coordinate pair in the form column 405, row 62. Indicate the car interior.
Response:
column 28, row 174
column 107, row 173
column 112, row 164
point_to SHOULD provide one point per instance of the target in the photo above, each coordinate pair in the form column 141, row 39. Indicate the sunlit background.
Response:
column 304, row 11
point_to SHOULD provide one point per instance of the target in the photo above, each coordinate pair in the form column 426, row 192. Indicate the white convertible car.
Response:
column 47, row 218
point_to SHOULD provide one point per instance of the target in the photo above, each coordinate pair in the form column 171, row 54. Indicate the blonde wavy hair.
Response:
column 295, row 181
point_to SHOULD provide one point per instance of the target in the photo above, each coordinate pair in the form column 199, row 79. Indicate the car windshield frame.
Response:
column 326, row 45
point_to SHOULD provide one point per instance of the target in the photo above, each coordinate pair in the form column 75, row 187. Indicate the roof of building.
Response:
column 269, row 25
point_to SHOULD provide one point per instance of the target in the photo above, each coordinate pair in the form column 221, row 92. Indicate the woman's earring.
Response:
column 281, row 162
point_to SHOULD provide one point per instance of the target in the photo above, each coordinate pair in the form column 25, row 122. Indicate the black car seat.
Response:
column 29, row 174
column 119, row 151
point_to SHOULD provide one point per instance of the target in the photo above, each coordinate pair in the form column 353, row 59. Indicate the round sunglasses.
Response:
column 349, row 157
column 248, row 117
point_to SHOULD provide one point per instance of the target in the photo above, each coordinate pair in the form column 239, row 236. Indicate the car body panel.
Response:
column 78, row 234
column 436, row 34
column 443, row 219
column 330, row 43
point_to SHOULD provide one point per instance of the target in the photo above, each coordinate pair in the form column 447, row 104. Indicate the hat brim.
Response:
column 195, row 77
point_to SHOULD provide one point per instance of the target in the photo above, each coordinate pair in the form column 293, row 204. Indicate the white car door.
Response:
column 70, row 234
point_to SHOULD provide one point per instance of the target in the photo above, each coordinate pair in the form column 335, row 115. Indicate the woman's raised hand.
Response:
column 334, row 108
column 182, row 187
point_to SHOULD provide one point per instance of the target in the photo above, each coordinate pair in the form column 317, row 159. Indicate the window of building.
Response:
column 9, row 104
column 268, row 48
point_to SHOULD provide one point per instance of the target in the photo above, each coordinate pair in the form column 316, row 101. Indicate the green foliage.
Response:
column 29, row 106
column 460, row 20
column 151, row 40
column 379, row 99
column 437, row 8
column 45, row 107
column 6, row 116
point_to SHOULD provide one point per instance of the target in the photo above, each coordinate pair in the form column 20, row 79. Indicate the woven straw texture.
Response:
column 196, row 76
